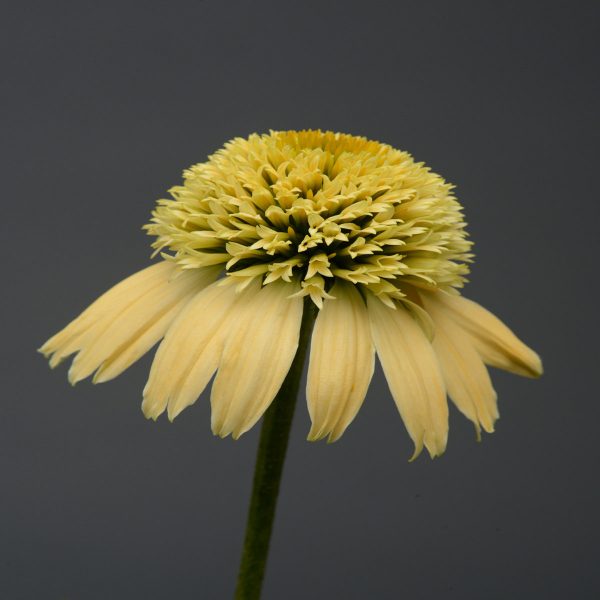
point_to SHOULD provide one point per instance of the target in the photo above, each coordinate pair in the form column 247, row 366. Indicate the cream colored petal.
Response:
column 413, row 374
column 189, row 355
column 421, row 316
column 131, row 351
column 256, row 358
column 125, row 328
column 70, row 339
column 341, row 364
column 495, row 342
column 467, row 379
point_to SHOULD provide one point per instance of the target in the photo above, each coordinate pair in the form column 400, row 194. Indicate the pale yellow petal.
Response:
column 70, row 339
column 467, row 379
column 341, row 363
column 188, row 356
column 124, row 329
column 421, row 316
column 413, row 374
column 256, row 358
column 137, row 345
column 495, row 342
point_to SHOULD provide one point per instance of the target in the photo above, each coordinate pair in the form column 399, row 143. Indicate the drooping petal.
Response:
column 189, row 354
column 497, row 345
column 257, row 356
column 467, row 379
column 69, row 340
column 133, row 327
column 413, row 375
column 341, row 364
column 138, row 344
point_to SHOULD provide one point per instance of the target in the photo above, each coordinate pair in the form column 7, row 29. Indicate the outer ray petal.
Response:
column 256, row 358
column 341, row 365
column 495, row 342
column 69, row 339
column 467, row 380
column 188, row 356
column 133, row 349
column 413, row 374
column 133, row 327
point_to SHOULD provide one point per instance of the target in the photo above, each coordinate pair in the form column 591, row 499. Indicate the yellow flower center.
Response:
column 312, row 206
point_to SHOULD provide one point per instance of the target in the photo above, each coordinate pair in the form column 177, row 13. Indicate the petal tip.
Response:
column 417, row 452
column 100, row 377
column 150, row 410
column 72, row 378
column 537, row 367
column 314, row 435
column 219, row 431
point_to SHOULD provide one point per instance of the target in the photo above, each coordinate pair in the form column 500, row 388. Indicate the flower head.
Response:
column 315, row 207
column 378, row 243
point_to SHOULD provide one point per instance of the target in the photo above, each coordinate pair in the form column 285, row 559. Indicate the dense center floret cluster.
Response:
column 308, row 207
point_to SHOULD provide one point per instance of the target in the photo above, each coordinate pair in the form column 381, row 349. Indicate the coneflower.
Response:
column 288, row 224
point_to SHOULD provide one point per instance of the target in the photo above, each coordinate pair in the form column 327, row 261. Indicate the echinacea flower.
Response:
column 378, row 243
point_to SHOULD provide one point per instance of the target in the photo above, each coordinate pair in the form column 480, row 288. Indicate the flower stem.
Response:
column 270, row 457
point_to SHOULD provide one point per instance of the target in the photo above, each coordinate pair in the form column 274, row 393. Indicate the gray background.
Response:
column 105, row 104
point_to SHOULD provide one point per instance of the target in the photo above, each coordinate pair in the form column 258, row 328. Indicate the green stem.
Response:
column 270, row 457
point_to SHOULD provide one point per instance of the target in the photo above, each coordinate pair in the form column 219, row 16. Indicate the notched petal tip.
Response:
column 433, row 454
column 174, row 411
column 100, row 377
column 315, row 434
column 50, row 352
column 436, row 452
column 218, row 427
column 222, row 432
column 151, row 409
column 435, row 443
column 487, row 427
column 318, row 436
column 55, row 360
